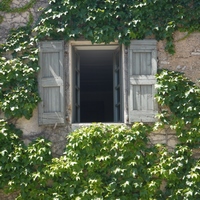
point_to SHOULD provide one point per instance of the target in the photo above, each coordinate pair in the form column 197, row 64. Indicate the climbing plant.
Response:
column 109, row 162
column 18, row 75
column 183, row 114
column 103, row 162
column 109, row 20
column 19, row 164
column 180, row 101
column 98, row 21
column 6, row 7
column 105, row 171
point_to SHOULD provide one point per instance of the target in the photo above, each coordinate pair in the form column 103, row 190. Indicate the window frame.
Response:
column 67, row 88
column 87, row 45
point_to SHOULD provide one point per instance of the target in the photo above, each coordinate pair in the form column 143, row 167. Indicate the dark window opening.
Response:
column 96, row 85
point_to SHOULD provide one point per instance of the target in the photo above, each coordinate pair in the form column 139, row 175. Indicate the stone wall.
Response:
column 187, row 56
column 4, row 196
column 186, row 59
column 14, row 20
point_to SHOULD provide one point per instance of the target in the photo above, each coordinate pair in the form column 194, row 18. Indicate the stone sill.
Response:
column 195, row 53
column 79, row 125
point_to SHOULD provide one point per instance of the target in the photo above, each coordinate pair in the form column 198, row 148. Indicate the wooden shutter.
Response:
column 142, row 70
column 51, row 83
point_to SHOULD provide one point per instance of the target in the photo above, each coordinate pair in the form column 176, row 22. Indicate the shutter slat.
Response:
column 142, row 70
column 142, row 80
column 136, row 96
column 146, row 98
column 51, row 83
column 142, row 116
column 136, row 65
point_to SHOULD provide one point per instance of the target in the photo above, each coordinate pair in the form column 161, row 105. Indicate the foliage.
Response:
column 105, row 162
column 11, row 150
column 18, row 75
column 19, row 165
column 98, row 21
column 112, row 162
column 179, row 171
column 183, row 103
column 109, row 20
column 179, row 168
column 100, row 162
column 6, row 7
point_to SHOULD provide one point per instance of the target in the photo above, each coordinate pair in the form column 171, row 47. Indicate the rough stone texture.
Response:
column 4, row 196
column 19, row 4
column 196, row 153
column 166, row 137
column 31, row 131
column 57, row 136
column 16, row 20
column 186, row 59
column 187, row 56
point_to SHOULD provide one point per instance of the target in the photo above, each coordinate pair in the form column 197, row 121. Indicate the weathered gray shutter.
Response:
column 51, row 83
column 142, row 70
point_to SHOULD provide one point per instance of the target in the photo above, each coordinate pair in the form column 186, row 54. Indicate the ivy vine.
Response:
column 109, row 20
column 6, row 7
column 183, row 114
column 31, row 169
column 19, row 93
column 98, row 21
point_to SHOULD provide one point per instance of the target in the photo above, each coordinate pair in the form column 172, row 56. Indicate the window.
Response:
column 96, row 83
column 99, row 82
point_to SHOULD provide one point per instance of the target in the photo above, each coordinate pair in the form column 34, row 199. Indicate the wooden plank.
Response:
column 146, row 97
column 142, row 116
column 51, row 83
column 142, row 80
column 55, row 118
column 142, row 68
column 135, row 93
column 52, row 99
column 51, row 66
